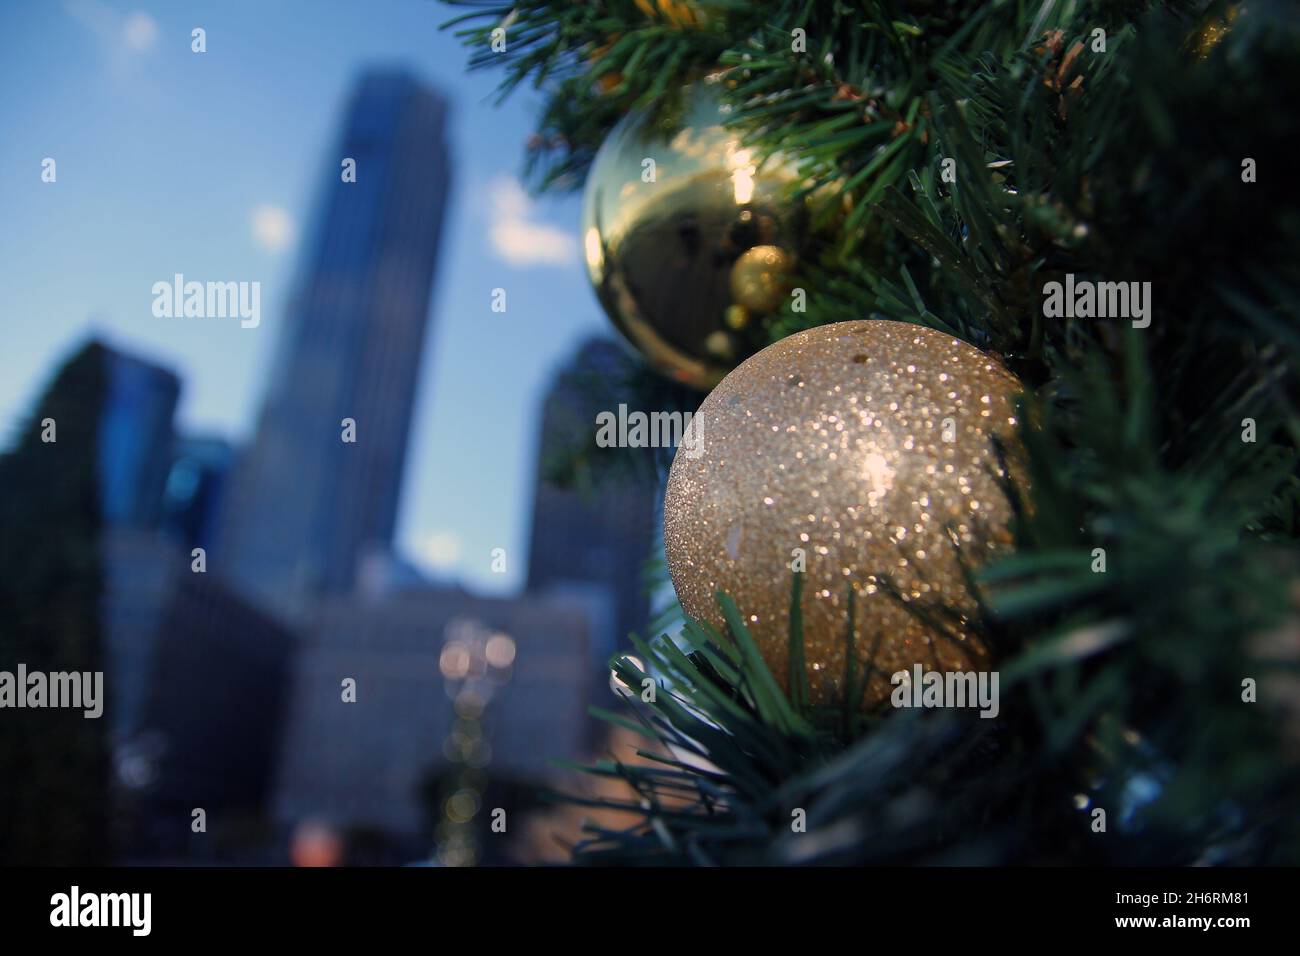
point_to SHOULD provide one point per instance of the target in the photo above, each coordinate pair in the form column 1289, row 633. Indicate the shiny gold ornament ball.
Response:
column 737, row 317
column 867, row 446
column 681, row 222
column 758, row 278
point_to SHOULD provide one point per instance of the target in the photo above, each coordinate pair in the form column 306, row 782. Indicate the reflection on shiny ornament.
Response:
column 737, row 317
column 758, row 277
column 674, row 202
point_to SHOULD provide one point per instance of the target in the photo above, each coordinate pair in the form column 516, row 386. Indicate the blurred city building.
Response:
column 133, row 459
column 590, row 539
column 305, row 505
column 227, row 671
column 211, row 723
column 135, row 439
column 196, row 679
column 196, row 486
column 377, row 763
column 139, row 569
column 194, row 675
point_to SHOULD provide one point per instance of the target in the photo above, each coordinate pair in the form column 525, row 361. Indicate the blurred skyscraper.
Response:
column 135, row 439
column 596, row 538
column 196, row 484
column 305, row 506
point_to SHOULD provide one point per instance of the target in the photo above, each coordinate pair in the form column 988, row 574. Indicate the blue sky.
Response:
column 170, row 161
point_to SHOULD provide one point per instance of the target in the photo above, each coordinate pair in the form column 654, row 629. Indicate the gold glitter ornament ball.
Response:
column 868, row 447
column 674, row 208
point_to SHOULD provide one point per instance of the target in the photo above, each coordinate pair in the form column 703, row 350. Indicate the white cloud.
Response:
column 437, row 550
column 124, row 43
column 273, row 228
column 117, row 32
column 517, row 239
column 140, row 32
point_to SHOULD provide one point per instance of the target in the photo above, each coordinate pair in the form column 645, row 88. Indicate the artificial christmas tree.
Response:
column 964, row 163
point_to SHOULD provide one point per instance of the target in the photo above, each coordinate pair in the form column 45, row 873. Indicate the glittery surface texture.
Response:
column 868, row 445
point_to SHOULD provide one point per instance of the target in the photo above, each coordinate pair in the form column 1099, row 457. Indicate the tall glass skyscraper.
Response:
column 601, row 536
column 135, row 439
column 305, row 505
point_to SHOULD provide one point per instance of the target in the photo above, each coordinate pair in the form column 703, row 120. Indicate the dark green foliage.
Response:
column 54, row 764
column 1119, row 689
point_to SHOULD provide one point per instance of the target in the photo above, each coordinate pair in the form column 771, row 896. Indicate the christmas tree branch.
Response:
column 958, row 159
